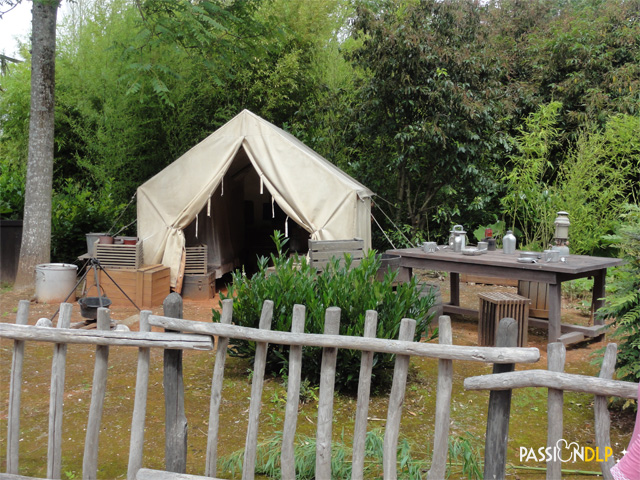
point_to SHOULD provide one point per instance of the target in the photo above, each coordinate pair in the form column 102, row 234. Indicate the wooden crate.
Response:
column 120, row 256
column 538, row 293
column 322, row 251
column 147, row 286
column 494, row 306
column 196, row 260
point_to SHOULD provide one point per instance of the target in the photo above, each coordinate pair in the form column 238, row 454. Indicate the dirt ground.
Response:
column 527, row 427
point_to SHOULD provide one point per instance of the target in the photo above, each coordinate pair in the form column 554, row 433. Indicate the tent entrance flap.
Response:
column 239, row 221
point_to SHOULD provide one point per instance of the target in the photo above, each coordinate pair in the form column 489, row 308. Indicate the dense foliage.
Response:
column 353, row 289
column 623, row 297
column 426, row 102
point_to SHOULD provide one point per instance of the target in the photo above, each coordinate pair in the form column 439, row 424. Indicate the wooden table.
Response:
column 497, row 264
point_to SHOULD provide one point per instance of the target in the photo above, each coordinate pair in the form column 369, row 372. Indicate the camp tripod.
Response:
column 89, row 305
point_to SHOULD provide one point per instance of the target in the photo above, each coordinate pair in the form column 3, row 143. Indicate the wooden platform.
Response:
column 147, row 286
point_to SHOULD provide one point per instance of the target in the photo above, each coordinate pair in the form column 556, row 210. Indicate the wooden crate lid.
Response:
column 503, row 298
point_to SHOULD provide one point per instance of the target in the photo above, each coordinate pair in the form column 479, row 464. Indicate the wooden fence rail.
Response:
column 558, row 382
column 501, row 382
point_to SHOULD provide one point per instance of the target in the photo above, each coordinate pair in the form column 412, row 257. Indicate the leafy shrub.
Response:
column 623, row 297
column 77, row 211
column 353, row 290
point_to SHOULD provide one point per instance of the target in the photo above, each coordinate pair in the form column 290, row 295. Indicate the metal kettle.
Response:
column 457, row 239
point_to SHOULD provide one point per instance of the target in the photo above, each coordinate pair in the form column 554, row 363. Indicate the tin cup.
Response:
column 429, row 247
column 551, row 256
column 483, row 245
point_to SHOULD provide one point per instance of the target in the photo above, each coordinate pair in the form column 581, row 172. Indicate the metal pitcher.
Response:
column 457, row 239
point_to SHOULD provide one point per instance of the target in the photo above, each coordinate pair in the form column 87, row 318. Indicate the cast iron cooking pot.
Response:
column 89, row 306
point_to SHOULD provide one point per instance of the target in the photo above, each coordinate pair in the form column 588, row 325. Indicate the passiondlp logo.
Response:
column 565, row 452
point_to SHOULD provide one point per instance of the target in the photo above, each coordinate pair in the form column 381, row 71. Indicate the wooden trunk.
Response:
column 538, row 293
column 199, row 287
column 147, row 286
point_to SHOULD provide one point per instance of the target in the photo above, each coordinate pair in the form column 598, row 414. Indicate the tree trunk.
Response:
column 36, row 236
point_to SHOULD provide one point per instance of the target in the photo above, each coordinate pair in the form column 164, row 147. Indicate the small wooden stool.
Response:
column 495, row 306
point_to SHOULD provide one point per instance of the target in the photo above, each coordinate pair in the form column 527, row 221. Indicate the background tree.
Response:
column 36, row 234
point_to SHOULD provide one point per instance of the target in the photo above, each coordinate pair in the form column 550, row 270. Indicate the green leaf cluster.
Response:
column 354, row 289
column 622, row 310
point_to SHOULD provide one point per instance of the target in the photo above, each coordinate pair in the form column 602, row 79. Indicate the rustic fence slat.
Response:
column 58, row 371
column 561, row 381
column 556, row 355
column 109, row 337
column 257, row 384
column 176, row 425
column 287, row 458
column 495, row 457
column 364, row 393
column 15, row 391
column 396, row 399
column 136, row 445
column 601, row 412
column 443, row 405
column 379, row 345
column 98, row 389
column 325, row 396
column 216, row 392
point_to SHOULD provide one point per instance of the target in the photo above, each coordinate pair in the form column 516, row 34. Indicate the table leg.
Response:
column 597, row 299
column 555, row 304
column 454, row 282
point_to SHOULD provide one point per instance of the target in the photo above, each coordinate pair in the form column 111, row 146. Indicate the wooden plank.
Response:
column 571, row 338
column 287, row 459
column 546, row 379
column 419, row 349
column 362, row 406
column 336, row 245
column 325, row 396
column 9, row 476
column 324, row 257
column 106, row 338
column 15, row 391
column 136, row 445
column 443, row 405
column 176, row 428
column 98, row 390
column 216, row 392
column 180, row 279
column 555, row 399
column 396, row 400
column 56, row 398
column 495, row 457
column 257, row 385
column 148, row 474
column 601, row 413
column 587, row 331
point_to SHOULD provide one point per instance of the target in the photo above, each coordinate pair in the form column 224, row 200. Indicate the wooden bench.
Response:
column 200, row 338
column 321, row 252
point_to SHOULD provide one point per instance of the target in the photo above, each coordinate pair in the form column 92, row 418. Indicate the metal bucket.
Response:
column 92, row 238
column 55, row 281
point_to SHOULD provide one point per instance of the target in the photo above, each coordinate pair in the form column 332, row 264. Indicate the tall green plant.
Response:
column 597, row 179
column 528, row 202
column 622, row 310
column 351, row 288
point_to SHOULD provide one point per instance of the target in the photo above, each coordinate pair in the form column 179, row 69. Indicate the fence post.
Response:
column 495, row 452
column 601, row 413
column 175, row 418
column 556, row 354
column 443, row 405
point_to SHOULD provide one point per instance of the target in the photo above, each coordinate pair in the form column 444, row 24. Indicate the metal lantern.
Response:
column 562, row 228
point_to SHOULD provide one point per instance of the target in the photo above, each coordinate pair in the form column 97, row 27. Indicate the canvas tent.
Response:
column 244, row 172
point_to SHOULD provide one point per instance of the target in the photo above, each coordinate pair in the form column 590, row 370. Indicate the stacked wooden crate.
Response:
column 196, row 260
column 147, row 286
column 119, row 255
